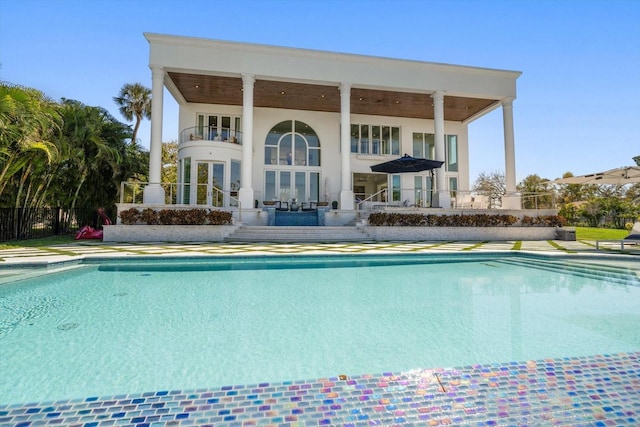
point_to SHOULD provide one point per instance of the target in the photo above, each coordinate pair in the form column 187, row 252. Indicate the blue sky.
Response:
column 578, row 105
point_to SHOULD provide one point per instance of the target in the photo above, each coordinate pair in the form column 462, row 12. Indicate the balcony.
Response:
column 203, row 133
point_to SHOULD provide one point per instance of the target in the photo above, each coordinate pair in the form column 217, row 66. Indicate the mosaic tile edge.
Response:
column 598, row 391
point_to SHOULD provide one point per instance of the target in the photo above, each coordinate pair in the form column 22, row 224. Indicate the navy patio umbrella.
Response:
column 406, row 164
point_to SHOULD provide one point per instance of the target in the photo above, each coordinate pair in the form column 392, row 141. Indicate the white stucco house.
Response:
column 263, row 123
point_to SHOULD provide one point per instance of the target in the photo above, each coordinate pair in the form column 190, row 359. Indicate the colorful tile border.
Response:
column 589, row 391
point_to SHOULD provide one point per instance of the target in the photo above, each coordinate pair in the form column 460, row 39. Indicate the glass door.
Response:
column 209, row 183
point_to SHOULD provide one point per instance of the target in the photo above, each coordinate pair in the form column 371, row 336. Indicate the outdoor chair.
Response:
column 632, row 239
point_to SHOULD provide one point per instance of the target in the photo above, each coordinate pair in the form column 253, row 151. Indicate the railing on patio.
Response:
column 374, row 201
column 32, row 223
column 181, row 194
column 205, row 133
column 539, row 201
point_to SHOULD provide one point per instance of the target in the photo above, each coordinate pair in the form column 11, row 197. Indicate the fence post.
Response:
column 56, row 221
column 18, row 233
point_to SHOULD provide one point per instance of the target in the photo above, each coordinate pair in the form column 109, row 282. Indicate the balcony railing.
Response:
column 204, row 133
column 181, row 194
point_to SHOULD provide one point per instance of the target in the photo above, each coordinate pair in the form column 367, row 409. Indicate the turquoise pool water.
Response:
column 124, row 327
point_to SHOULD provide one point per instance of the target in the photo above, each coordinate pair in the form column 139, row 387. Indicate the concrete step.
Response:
column 289, row 234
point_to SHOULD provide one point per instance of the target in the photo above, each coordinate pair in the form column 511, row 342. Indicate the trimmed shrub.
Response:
column 149, row 216
column 418, row 220
column 167, row 216
column 544, row 221
column 129, row 216
column 176, row 217
column 216, row 217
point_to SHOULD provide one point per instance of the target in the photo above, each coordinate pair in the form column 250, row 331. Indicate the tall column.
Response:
column 346, row 190
column 511, row 200
column 154, row 193
column 246, row 183
column 441, row 196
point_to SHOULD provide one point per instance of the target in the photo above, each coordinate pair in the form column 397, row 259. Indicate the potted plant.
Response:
column 334, row 204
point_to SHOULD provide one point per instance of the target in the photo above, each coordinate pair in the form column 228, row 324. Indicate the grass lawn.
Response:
column 590, row 233
column 36, row 243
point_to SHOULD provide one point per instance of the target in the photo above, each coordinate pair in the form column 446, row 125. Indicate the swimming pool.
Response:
column 134, row 326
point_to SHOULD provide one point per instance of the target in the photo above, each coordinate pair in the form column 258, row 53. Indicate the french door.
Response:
column 285, row 185
column 209, row 184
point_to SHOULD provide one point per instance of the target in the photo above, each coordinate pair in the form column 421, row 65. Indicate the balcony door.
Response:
column 210, row 183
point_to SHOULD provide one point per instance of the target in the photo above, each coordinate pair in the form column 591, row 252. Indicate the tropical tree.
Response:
column 536, row 192
column 169, row 162
column 28, row 120
column 134, row 101
column 490, row 184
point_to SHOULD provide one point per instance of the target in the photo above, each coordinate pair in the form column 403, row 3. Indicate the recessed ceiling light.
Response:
column 360, row 99
column 197, row 86
column 282, row 93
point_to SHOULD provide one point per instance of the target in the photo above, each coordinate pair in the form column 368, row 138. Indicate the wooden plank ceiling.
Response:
column 207, row 89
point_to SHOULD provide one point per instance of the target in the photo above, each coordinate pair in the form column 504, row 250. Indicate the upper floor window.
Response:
column 218, row 127
column 424, row 147
column 451, row 147
column 375, row 139
column 292, row 143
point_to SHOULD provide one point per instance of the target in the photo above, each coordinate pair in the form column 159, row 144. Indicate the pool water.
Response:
column 125, row 327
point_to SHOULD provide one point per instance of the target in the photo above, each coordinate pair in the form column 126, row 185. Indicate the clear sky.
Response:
column 578, row 105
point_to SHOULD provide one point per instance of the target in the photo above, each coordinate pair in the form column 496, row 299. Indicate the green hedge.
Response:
column 175, row 217
column 477, row 220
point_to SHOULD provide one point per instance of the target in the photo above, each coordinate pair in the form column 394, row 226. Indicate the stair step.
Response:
column 297, row 234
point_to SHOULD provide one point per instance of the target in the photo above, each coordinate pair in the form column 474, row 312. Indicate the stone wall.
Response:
column 167, row 233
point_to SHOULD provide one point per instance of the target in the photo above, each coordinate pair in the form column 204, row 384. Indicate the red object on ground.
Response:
column 88, row 232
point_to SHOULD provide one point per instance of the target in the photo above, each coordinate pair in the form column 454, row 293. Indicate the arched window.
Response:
column 292, row 153
column 292, row 143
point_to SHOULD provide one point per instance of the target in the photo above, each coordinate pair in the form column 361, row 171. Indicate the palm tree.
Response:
column 134, row 101
column 28, row 120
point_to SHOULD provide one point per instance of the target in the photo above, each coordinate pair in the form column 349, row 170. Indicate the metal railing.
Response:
column 32, row 223
column 373, row 201
column 205, row 133
column 539, row 200
column 181, row 194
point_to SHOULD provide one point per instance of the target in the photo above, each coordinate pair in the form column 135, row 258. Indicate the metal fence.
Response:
column 32, row 223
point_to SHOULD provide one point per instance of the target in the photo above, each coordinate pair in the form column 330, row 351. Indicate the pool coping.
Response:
column 598, row 390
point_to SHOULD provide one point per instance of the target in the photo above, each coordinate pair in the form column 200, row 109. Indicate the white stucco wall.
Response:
column 327, row 127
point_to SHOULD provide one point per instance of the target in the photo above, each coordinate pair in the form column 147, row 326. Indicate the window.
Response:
column 293, row 144
column 234, row 185
column 270, row 185
column 424, row 145
column 451, row 147
column 423, row 190
column 395, row 188
column 218, row 127
column 292, row 150
column 453, row 185
column 375, row 139
column 186, row 180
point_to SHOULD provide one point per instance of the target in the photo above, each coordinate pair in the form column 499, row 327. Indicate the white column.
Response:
column 441, row 196
column 246, row 182
column 511, row 200
column 346, row 190
column 154, row 193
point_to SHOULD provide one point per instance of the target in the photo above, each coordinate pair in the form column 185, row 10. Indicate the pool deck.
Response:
column 602, row 390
